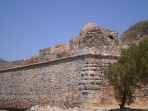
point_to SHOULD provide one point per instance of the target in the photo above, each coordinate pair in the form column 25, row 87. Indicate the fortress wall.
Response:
column 70, row 81
column 65, row 75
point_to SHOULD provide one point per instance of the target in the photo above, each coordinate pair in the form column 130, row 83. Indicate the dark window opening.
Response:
column 111, row 37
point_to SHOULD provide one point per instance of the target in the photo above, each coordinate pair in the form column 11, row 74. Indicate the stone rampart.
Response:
column 71, row 81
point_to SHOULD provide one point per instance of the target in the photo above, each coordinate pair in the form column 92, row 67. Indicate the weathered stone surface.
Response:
column 48, row 83
column 54, row 52
column 93, row 39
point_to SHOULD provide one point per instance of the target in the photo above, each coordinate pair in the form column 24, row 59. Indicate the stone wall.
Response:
column 67, row 83
column 93, row 87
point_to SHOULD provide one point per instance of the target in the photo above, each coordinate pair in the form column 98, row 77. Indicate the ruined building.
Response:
column 65, row 75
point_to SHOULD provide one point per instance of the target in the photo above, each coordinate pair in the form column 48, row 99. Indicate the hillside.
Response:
column 4, row 64
column 3, row 61
column 135, row 33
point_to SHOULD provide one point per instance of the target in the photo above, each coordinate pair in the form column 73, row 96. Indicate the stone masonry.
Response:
column 66, row 75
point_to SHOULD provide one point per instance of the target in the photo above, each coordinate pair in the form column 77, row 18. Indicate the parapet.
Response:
column 91, row 40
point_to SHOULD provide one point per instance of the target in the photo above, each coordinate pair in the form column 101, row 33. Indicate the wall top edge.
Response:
column 60, row 59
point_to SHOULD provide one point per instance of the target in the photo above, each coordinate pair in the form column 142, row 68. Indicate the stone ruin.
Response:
column 65, row 75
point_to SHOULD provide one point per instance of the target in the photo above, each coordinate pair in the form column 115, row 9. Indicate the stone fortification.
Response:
column 65, row 75
column 67, row 83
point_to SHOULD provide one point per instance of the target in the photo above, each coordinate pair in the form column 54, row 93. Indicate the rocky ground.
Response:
column 107, row 108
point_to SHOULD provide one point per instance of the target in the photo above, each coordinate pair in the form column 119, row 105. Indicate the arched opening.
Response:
column 111, row 37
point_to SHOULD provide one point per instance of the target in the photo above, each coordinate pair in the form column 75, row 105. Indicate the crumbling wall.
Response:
column 93, row 39
column 58, row 51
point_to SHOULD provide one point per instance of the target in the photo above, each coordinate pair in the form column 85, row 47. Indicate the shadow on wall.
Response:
column 13, row 109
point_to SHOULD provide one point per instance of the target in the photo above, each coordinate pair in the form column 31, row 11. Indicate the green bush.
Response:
column 129, row 73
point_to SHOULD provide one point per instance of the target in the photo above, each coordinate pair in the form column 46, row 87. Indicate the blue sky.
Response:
column 26, row 26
